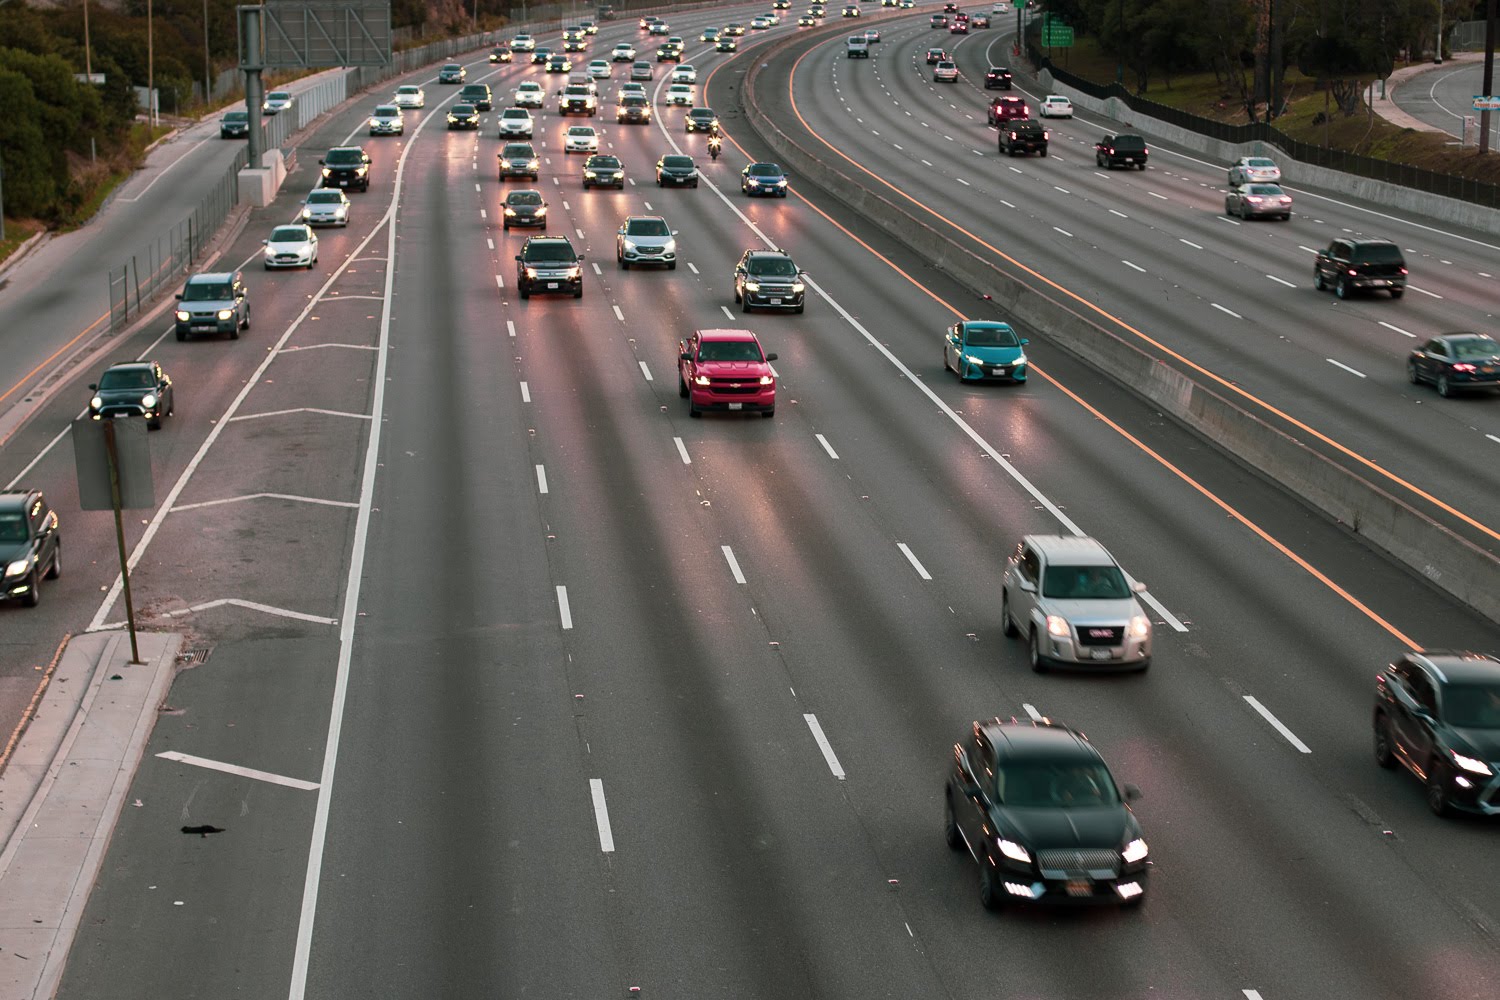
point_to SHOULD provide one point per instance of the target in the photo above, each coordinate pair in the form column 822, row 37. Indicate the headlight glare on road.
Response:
column 1013, row 850
column 1139, row 627
column 1471, row 764
column 1057, row 625
column 1134, row 851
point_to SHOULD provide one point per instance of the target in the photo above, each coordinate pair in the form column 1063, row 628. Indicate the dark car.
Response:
column 1456, row 362
column 769, row 279
column 702, row 120
column 1360, row 265
column 463, row 116
column 525, row 208
column 519, row 159
column 500, row 54
column 234, row 125
column 549, row 264
column 1121, row 151
column 602, row 170
column 477, row 94
column 1437, row 713
column 676, row 170
column 1023, row 136
column 935, row 56
column 452, row 73
column 346, row 167
column 633, row 109
column 213, row 302
column 133, row 389
column 1038, row 809
column 668, row 53
column 997, row 78
column 541, row 54
column 1258, row 201
column 30, row 546
column 1007, row 109
column 763, row 178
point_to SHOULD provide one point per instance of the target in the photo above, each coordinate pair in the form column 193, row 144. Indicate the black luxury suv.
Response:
column 1036, row 806
column 1351, row 266
column 549, row 264
column 30, row 545
column 1437, row 714
column 346, row 167
column 769, row 279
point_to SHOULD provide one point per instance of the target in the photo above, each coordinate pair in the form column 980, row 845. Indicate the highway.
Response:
column 594, row 697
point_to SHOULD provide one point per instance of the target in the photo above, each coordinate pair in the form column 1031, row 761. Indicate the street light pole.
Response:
column 150, row 65
column 208, row 70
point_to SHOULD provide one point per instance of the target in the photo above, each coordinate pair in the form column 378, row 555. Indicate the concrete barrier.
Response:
column 1451, row 562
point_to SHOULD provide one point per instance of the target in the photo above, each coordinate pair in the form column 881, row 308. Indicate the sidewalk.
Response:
column 1385, row 106
column 62, row 792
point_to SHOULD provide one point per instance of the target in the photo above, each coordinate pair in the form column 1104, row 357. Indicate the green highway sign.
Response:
column 1057, row 36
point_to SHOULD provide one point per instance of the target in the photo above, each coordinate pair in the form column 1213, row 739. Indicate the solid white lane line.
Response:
column 1033, row 713
column 619, row 315
column 541, row 479
column 692, row 268
column 1136, row 266
column 827, row 447
column 499, row 281
column 1291, row 737
column 1282, row 281
column 1224, row 310
column 235, row 769
column 911, row 557
column 825, row 746
column 1340, row 364
column 1424, row 291
column 601, row 816
column 1189, row 243
column 734, row 564
column 510, row 327
column 525, row 393
column 645, row 371
column 682, row 450
column 563, row 608
column 1493, row 438
column 1398, row 330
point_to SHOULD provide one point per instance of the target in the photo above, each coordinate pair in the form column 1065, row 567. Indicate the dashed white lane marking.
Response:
column 601, row 816
column 692, row 268
column 682, row 450
column 1155, row 195
column 648, row 206
column 235, row 769
column 734, row 564
column 1493, row 438
column 1033, row 713
column 899, row 147
column 1136, row 266
column 483, row 214
column 1222, row 309
column 1291, row 737
column 1006, row 203
column 490, row 240
column 825, row 746
column 597, row 272
column 916, row 563
column 1251, row 994
column 1398, row 330
column 563, row 608
column 499, row 281
column 510, row 327
column 566, row 206
column 1189, row 243
column 1340, row 364
column 478, row 188
column 525, row 393
column 541, row 479
column 827, row 447
column 1424, row 291
column 1063, row 231
column 926, row 163
column 645, row 371
column 579, row 232
column 963, row 182
column 727, row 312
column 618, row 315
column 1282, row 281
column 1308, row 249
column 1063, row 190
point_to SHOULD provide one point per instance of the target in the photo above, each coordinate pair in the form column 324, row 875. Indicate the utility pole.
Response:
column 1489, row 73
column 88, row 55
column 150, row 65
column 1120, row 62
column 1438, row 56
column 208, row 71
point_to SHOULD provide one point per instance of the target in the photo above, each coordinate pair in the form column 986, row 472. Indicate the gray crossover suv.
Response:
column 1074, row 605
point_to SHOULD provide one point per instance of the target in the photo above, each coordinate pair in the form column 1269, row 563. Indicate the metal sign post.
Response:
column 114, row 495
column 113, row 463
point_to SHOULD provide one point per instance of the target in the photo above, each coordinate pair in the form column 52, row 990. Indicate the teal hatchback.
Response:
column 980, row 349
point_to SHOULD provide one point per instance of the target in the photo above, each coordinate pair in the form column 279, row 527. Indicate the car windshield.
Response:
column 128, row 378
column 386, row 111
column 325, row 197
column 1475, row 347
column 1075, row 784
column 278, row 95
column 1085, row 583
column 237, row 116
column 991, row 336
column 1270, row 189
column 408, row 90
column 344, row 157
column 701, row 114
column 774, row 266
column 550, row 252
column 12, row 527
column 524, row 198
column 677, row 161
column 604, row 163
column 518, row 152
column 729, row 350
column 463, row 109
column 647, row 227
column 1378, row 253
column 452, row 68
column 206, row 291
column 515, row 113
column 1472, row 706
column 633, row 101
column 288, row 234
column 764, row 170
column 583, row 130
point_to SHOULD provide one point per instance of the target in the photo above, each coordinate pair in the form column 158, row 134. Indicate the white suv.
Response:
column 530, row 95
column 516, row 123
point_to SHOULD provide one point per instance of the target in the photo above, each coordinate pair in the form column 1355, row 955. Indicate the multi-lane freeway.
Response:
column 561, row 693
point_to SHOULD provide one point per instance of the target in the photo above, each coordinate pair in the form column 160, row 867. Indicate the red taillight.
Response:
column 1253, row 199
column 1353, row 272
column 1464, row 366
column 1403, row 270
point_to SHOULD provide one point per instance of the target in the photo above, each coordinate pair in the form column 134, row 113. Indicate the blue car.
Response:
column 980, row 349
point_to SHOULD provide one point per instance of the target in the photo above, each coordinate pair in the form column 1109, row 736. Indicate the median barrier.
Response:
column 1449, row 561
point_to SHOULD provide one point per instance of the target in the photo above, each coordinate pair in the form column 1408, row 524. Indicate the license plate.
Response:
column 1080, row 887
column 1380, row 282
column 204, row 328
column 736, row 406
column 343, row 183
column 1129, row 160
column 551, row 284
column 997, row 371
column 1100, row 654
column 1487, row 369
column 775, row 302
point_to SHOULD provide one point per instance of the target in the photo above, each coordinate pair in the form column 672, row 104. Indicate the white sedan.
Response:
column 1254, row 170
column 581, row 139
column 624, row 52
column 529, row 95
column 292, row 246
column 408, row 96
column 681, row 93
column 599, row 69
column 684, row 74
column 1055, row 106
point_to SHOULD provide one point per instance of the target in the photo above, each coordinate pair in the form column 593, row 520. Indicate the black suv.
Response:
column 30, row 545
column 1121, row 151
column 1360, row 265
column 1036, row 806
column 549, row 264
column 768, row 279
column 346, row 167
column 1437, row 714
column 997, row 78
column 477, row 94
column 213, row 302
column 1022, row 135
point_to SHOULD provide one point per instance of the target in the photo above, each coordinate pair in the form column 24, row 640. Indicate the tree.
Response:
column 1349, row 48
column 33, row 167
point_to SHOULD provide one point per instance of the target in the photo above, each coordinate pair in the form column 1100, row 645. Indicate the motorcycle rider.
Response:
column 714, row 145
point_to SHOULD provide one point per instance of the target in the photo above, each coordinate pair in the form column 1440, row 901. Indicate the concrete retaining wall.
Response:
column 1452, row 563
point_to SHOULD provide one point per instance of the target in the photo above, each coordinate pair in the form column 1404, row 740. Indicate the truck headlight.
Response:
column 97, row 403
column 225, row 313
column 752, row 286
column 1139, row 627
column 1134, row 851
column 327, row 172
column 148, row 400
column 574, row 272
column 766, row 380
column 531, row 273
column 700, row 380
column 797, row 286
column 1471, row 764
column 1057, row 626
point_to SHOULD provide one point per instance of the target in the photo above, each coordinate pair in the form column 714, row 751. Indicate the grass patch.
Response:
column 17, row 231
column 96, row 180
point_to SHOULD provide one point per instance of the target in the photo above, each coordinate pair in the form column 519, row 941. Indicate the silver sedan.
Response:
column 1258, row 201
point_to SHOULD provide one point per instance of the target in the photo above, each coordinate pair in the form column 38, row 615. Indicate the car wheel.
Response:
column 1007, row 623
column 234, row 334
column 1318, row 281
column 1037, row 663
column 505, row 226
column 624, row 264
column 1384, row 756
column 1396, row 293
column 1227, row 209
column 951, row 836
column 768, row 414
column 1444, row 387
column 1437, row 795
column 745, row 304
column 695, row 185
column 1412, row 375
column 671, row 265
column 55, row 570
column 154, row 423
column 1099, row 161
column 1341, row 289
column 525, row 292
column 182, row 335
column 33, row 591
column 989, row 886
column 693, row 410
column 800, row 309
column 578, row 294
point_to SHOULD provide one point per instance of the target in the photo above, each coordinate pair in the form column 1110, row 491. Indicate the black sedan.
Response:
column 1456, row 362
column 763, row 179
column 679, row 171
column 702, row 120
column 1437, row 713
column 602, row 170
column 525, row 207
column 463, row 116
column 997, row 78
column 1037, row 808
column 133, row 389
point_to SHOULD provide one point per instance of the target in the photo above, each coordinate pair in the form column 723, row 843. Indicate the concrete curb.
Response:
column 1453, row 564
column 62, row 793
column 20, row 252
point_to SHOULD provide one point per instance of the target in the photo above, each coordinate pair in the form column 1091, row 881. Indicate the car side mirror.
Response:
column 1028, row 586
column 684, row 356
column 771, row 356
column 321, row 161
column 674, row 232
column 266, row 242
column 93, row 387
column 1024, row 341
column 518, row 256
column 580, row 258
column 178, row 296
column 1132, row 792
column 620, row 231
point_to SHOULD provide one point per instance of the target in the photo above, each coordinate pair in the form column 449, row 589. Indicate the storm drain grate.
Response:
column 194, row 656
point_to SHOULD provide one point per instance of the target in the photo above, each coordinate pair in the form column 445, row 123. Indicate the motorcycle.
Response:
column 714, row 145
